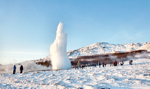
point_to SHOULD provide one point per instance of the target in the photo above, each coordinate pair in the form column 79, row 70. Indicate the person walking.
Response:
column 103, row 64
column 14, row 71
column 78, row 64
column 130, row 62
column 99, row 64
column 21, row 69
column 122, row 63
column 115, row 63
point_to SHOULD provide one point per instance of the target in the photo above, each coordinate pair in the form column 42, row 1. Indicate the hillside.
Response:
column 146, row 47
column 103, row 52
column 103, row 48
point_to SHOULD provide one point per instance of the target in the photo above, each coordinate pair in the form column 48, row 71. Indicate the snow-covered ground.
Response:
column 120, row 77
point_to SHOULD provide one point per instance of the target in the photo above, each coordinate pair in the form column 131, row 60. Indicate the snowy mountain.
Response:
column 104, row 47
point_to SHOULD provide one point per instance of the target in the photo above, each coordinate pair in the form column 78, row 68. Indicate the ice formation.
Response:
column 58, row 53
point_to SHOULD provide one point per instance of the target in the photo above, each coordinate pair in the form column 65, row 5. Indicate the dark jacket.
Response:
column 21, row 67
column 14, row 67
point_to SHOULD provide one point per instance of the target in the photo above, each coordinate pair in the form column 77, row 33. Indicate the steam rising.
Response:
column 58, row 52
column 27, row 66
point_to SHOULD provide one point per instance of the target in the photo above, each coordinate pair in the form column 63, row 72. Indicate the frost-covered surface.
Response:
column 104, row 47
column 127, row 76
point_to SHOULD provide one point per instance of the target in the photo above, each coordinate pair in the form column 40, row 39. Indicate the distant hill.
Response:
column 104, row 48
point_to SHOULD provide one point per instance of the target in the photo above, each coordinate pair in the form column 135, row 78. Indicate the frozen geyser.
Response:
column 58, row 52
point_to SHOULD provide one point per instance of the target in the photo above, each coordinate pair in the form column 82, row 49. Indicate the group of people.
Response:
column 103, row 64
column 115, row 63
column 21, row 69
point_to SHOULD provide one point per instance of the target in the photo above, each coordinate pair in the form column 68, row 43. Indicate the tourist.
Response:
column 130, row 62
column 122, row 63
column 21, row 69
column 99, row 64
column 14, row 71
column 78, row 64
column 75, row 67
column 103, row 64
column 115, row 63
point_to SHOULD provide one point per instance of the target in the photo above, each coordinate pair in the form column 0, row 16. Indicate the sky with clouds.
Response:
column 28, row 27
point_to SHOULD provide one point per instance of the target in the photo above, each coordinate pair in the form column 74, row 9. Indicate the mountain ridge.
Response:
column 104, row 47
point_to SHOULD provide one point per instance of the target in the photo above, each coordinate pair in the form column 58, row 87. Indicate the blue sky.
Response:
column 28, row 27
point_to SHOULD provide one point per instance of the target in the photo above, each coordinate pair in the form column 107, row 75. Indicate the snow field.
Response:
column 128, row 76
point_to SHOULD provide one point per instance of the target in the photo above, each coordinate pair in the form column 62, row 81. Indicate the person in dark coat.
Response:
column 14, row 71
column 122, row 63
column 115, row 63
column 83, row 66
column 21, row 69
column 99, row 64
column 130, row 62
column 103, row 64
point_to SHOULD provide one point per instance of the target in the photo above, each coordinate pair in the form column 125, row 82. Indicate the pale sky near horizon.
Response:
column 28, row 27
